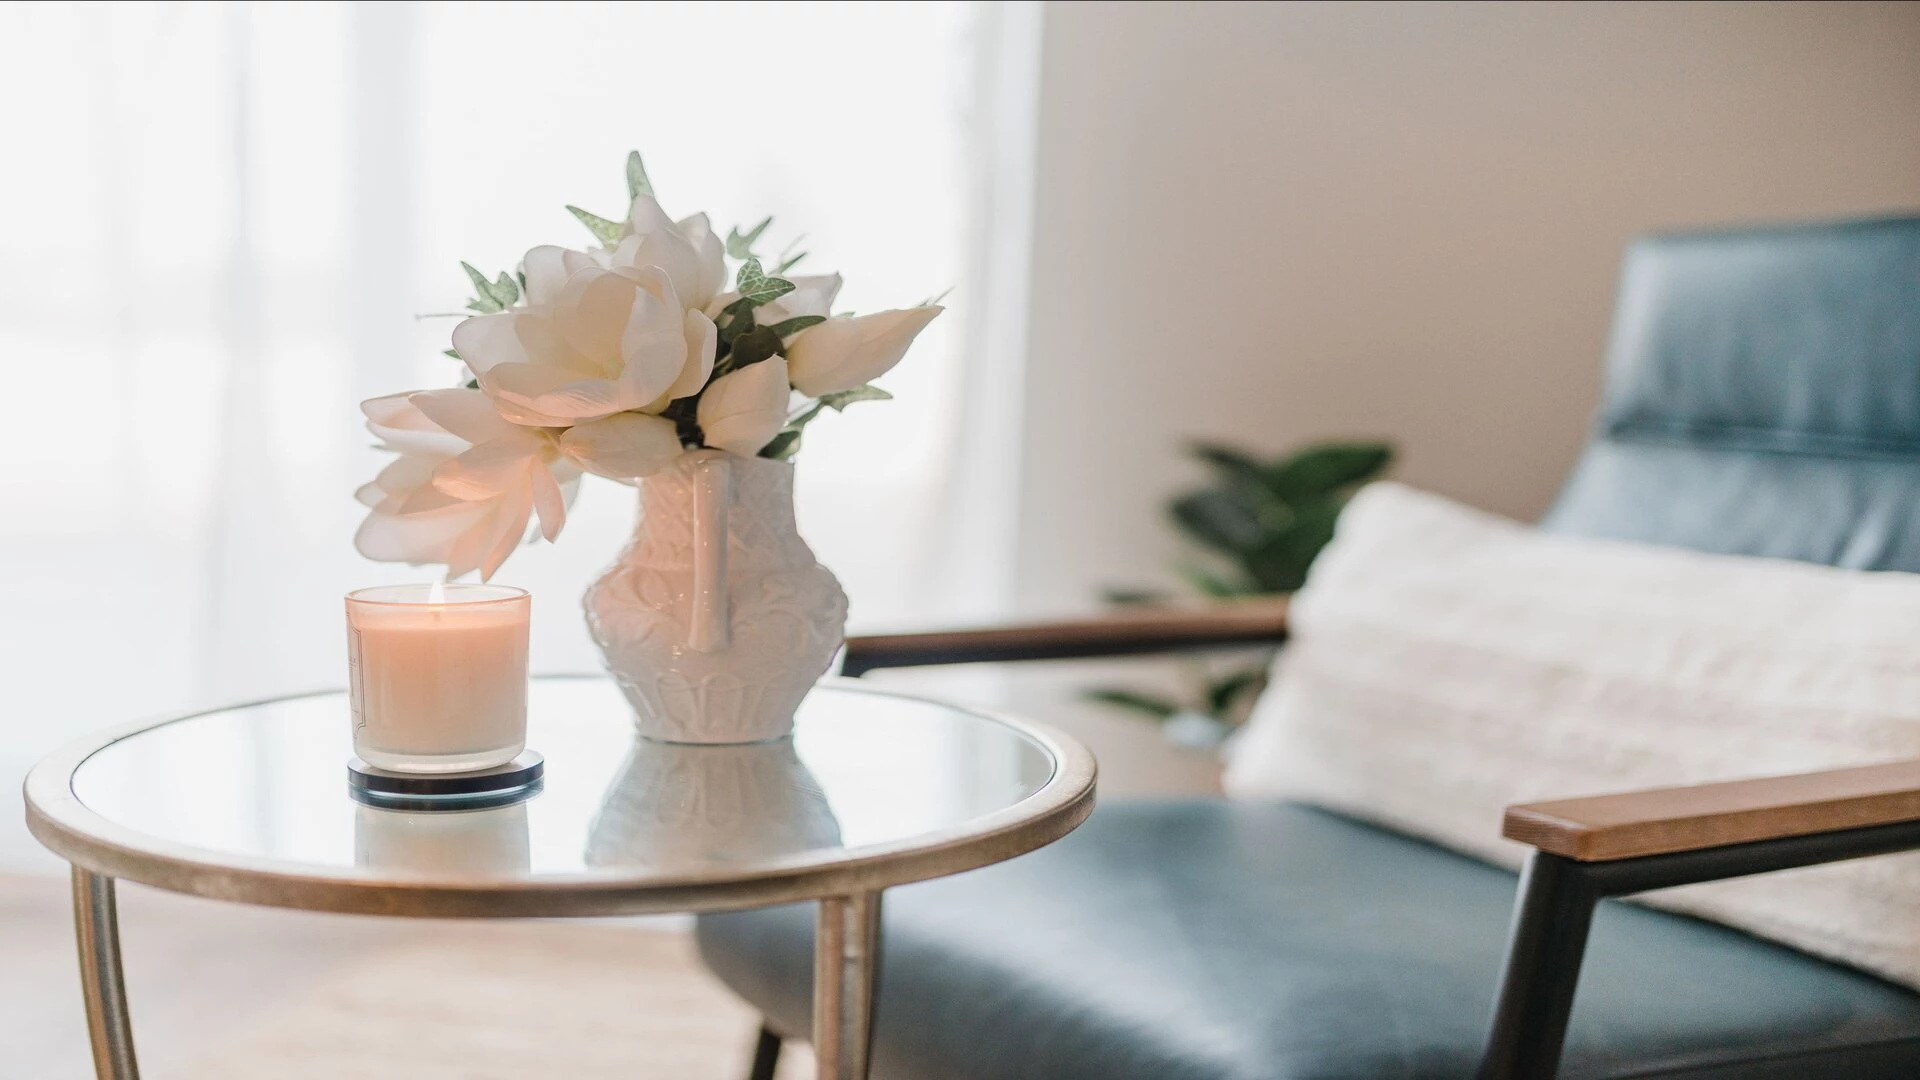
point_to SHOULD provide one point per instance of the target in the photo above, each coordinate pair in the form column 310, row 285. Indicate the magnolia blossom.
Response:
column 591, row 341
column 840, row 354
column 468, row 481
column 743, row 410
column 416, row 520
column 687, row 250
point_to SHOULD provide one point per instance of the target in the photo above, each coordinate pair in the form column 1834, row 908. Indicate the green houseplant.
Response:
column 1256, row 528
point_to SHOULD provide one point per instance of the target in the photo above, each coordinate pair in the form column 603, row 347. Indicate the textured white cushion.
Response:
column 1444, row 663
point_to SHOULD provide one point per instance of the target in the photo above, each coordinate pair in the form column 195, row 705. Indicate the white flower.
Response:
column 465, row 485
column 592, row 341
column 840, row 354
column 745, row 409
column 687, row 251
column 468, row 481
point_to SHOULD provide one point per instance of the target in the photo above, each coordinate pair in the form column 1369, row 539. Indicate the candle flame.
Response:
column 437, row 594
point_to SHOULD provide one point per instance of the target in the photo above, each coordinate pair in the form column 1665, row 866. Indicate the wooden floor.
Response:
column 225, row 992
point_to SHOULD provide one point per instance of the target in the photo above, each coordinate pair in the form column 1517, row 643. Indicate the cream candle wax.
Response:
column 439, row 675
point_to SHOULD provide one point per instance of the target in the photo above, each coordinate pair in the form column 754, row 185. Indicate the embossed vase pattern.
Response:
column 717, row 619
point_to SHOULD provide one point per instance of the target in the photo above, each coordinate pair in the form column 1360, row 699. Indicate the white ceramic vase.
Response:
column 717, row 619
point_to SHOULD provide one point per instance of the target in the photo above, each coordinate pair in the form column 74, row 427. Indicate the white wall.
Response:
column 1272, row 223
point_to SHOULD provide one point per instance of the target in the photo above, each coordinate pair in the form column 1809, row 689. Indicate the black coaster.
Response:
column 517, row 779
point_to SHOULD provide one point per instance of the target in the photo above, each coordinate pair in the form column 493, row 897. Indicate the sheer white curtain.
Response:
column 220, row 225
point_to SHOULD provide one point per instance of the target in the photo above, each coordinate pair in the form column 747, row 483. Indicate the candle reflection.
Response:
column 679, row 805
column 443, row 843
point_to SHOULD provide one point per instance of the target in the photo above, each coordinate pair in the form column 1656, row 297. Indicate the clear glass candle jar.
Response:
column 438, row 675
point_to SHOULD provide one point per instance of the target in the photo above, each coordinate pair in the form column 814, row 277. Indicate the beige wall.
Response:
column 1272, row 223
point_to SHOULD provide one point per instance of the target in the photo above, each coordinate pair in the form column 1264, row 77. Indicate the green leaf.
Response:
column 505, row 291
column 788, row 262
column 783, row 446
column 840, row 399
column 1150, row 705
column 1213, row 584
column 739, row 320
column 1327, row 467
column 740, row 244
column 786, row 328
column 1126, row 597
column 486, row 303
column 450, row 352
column 637, row 182
column 1281, row 564
column 753, row 347
column 932, row 300
column 607, row 232
column 1225, row 692
column 756, row 287
column 1222, row 520
column 1233, row 465
column 473, row 384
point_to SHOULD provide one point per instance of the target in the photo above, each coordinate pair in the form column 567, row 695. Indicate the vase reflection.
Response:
column 443, row 843
column 687, row 805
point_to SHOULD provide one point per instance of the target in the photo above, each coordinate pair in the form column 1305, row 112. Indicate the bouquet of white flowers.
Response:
column 613, row 360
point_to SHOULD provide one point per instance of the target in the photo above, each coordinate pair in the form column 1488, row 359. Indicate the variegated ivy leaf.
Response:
column 607, row 232
column 637, row 182
column 840, row 399
column 485, row 303
column 740, row 244
column 757, row 288
column 786, row 328
column 788, row 258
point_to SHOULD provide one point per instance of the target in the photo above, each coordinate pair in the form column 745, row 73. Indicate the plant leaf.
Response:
column 1281, row 564
column 486, row 303
column 1225, row 692
column 1220, row 519
column 1127, row 597
column 1324, row 468
column 786, row 328
column 505, row 291
column 740, row 244
column 840, row 399
column 783, row 446
column 756, row 287
column 450, row 352
column 754, row 346
column 637, row 182
column 1213, row 584
column 1233, row 464
column 607, row 232
column 1151, row 705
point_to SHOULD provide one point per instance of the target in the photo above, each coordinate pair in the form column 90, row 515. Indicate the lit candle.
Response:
column 439, row 675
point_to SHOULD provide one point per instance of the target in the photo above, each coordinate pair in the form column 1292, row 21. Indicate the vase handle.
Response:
column 708, row 628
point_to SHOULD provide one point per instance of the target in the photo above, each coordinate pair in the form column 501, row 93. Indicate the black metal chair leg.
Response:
column 766, row 1055
column 1549, row 937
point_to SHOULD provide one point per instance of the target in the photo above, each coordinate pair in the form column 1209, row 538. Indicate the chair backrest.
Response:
column 1762, row 397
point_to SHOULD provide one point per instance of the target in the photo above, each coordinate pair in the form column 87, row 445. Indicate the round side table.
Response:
column 251, row 804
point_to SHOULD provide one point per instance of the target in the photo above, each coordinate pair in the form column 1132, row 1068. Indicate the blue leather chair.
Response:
column 1762, row 397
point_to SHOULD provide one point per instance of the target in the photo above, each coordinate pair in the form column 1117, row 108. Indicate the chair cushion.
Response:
column 1270, row 941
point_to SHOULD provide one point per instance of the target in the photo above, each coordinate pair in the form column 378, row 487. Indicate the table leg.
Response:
column 846, row 967
column 96, row 922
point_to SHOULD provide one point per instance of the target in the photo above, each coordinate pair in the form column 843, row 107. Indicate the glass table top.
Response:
column 267, row 783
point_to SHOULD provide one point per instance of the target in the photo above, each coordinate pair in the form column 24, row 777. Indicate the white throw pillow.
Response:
column 1444, row 662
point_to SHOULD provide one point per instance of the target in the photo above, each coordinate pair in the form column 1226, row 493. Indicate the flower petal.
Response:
column 743, row 409
column 549, row 503
column 840, row 354
column 624, row 446
column 702, row 340
column 711, row 255
column 467, row 413
column 515, row 511
column 546, row 270
column 417, row 538
column 400, row 425
column 592, row 313
column 494, row 468
column 486, row 341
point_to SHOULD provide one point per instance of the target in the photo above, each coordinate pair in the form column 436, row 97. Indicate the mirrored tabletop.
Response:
column 253, row 803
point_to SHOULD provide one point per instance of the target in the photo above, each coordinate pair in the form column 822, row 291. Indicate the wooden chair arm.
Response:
column 1660, row 821
column 1125, row 632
